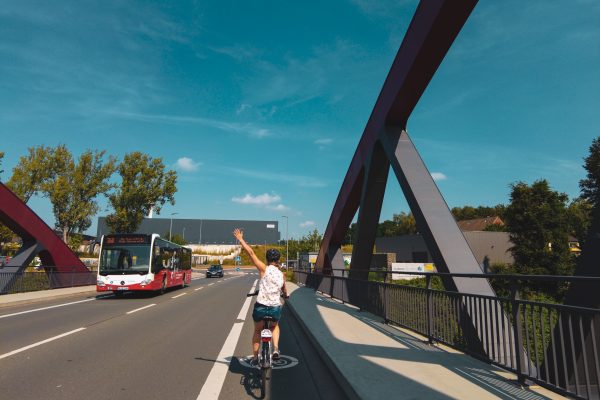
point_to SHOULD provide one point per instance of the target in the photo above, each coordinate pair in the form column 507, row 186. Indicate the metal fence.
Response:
column 43, row 280
column 554, row 345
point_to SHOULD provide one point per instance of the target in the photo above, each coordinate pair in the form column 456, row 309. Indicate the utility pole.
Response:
column 171, row 225
column 287, row 220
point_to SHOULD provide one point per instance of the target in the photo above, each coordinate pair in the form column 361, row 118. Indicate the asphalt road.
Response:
column 151, row 347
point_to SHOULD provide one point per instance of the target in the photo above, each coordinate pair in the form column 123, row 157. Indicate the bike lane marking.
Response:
column 214, row 382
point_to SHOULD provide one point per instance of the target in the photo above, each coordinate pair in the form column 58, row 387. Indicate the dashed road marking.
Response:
column 140, row 309
column 179, row 295
column 40, row 343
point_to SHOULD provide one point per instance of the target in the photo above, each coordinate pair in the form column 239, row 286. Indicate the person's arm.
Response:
column 284, row 290
column 239, row 235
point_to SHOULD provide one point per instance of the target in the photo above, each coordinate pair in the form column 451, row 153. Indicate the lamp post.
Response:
column 287, row 220
column 171, row 225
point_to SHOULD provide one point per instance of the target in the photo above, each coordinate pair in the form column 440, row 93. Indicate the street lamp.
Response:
column 287, row 220
column 171, row 225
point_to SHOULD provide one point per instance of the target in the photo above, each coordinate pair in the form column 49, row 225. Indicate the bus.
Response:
column 134, row 262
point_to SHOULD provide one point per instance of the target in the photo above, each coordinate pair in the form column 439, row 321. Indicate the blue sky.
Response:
column 259, row 106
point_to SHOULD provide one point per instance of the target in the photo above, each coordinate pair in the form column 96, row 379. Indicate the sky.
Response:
column 259, row 106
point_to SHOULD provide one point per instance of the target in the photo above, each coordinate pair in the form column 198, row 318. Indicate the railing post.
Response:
column 517, row 331
column 429, row 309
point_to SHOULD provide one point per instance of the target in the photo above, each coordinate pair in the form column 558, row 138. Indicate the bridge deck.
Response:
column 376, row 361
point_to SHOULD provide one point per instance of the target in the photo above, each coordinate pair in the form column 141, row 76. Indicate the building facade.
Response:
column 205, row 231
column 412, row 248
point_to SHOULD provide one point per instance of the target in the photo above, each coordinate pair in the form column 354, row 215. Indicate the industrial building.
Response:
column 205, row 231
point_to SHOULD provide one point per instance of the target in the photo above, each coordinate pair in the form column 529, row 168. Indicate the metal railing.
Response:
column 554, row 345
column 30, row 281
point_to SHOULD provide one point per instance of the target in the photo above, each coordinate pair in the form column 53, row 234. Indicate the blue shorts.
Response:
column 260, row 311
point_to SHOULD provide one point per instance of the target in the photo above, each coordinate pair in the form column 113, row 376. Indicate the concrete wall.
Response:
column 494, row 245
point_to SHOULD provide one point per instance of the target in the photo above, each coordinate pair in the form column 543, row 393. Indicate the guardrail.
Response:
column 43, row 280
column 554, row 345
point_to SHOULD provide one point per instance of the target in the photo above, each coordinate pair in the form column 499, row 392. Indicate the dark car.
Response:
column 215, row 270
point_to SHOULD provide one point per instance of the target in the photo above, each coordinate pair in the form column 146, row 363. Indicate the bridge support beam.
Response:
column 38, row 238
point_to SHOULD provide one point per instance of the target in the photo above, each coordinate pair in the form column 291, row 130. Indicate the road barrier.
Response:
column 30, row 281
column 554, row 345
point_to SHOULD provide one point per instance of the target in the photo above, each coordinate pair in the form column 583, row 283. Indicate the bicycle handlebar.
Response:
column 256, row 293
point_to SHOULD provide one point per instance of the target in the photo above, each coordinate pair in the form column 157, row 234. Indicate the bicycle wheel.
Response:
column 263, row 382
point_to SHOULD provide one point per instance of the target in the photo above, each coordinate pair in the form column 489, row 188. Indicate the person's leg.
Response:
column 276, row 336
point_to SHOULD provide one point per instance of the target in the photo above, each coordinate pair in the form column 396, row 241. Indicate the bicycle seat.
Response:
column 267, row 318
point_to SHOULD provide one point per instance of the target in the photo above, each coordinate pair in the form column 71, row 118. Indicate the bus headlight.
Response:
column 100, row 283
column 147, row 281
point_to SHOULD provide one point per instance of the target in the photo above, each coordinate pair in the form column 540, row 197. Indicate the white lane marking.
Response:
column 45, row 308
column 246, row 306
column 140, row 309
column 219, row 281
column 200, row 288
column 179, row 295
column 210, row 284
column 40, row 343
column 214, row 382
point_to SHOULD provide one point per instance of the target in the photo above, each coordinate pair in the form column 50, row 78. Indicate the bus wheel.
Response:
column 163, row 287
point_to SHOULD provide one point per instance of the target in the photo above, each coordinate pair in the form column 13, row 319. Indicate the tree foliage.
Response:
column 308, row 243
column 1, row 157
column 36, row 169
column 74, row 186
column 144, row 184
column 590, row 186
column 538, row 224
column 469, row 212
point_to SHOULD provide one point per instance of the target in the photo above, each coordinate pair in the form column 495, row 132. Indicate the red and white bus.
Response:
column 142, row 262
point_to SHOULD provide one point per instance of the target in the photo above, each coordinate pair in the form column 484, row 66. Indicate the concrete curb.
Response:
column 329, row 362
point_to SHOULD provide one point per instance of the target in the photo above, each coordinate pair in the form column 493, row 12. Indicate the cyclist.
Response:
column 270, row 287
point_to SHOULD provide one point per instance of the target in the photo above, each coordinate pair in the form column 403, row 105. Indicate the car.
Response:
column 215, row 270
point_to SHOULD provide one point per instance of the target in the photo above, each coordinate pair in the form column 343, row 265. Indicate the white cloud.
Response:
column 187, row 164
column 264, row 199
column 279, row 207
column 438, row 176
column 248, row 129
column 298, row 180
column 323, row 141
column 307, row 224
column 242, row 108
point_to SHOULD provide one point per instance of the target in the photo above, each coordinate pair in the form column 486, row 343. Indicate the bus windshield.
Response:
column 125, row 259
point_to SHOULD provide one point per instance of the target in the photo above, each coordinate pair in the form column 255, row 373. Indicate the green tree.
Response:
column 469, row 212
column 74, row 187
column 537, row 221
column 401, row 224
column 590, row 186
column 177, row 238
column 34, row 170
column 580, row 219
column 144, row 184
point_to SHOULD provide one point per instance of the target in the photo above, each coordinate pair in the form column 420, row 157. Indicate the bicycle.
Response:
column 265, row 352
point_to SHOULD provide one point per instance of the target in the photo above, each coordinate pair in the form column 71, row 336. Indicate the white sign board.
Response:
column 270, row 226
column 410, row 267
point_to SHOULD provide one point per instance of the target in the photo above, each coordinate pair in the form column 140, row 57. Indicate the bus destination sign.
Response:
column 129, row 239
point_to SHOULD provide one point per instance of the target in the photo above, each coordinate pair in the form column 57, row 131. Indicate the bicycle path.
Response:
column 372, row 360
